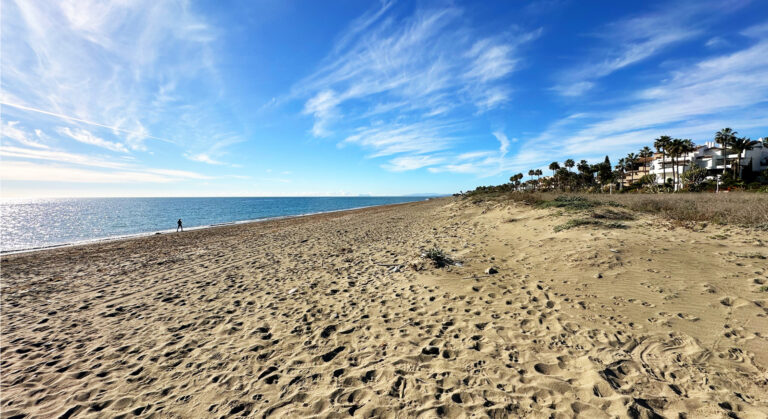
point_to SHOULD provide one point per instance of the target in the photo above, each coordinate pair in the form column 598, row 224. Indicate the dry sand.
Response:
column 300, row 318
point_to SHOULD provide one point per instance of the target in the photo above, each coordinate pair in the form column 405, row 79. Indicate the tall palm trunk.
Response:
column 663, row 167
column 675, row 174
column 725, row 158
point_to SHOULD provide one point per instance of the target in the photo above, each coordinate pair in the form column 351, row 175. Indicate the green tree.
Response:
column 605, row 174
column 694, row 178
column 740, row 145
column 661, row 144
column 583, row 167
column 725, row 138
column 569, row 164
column 675, row 149
column 679, row 148
column 621, row 168
column 554, row 166
column 515, row 180
column 631, row 161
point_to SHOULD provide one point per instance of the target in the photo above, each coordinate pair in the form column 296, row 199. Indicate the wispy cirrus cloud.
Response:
column 10, row 129
column 398, row 87
column 121, row 66
column 216, row 151
column 30, row 171
column 629, row 41
column 86, row 137
column 415, row 138
column 203, row 158
column 14, row 152
column 405, row 163
column 482, row 163
column 410, row 59
column 25, row 160
column 692, row 102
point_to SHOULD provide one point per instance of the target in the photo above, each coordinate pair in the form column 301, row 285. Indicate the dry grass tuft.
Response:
column 736, row 208
column 747, row 209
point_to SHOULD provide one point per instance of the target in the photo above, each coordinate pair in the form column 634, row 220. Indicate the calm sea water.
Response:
column 28, row 224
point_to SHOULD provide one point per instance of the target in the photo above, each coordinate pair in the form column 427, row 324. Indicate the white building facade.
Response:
column 709, row 157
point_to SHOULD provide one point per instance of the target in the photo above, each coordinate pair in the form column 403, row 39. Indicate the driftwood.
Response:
column 387, row 265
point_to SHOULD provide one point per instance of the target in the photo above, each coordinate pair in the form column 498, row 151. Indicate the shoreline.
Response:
column 194, row 228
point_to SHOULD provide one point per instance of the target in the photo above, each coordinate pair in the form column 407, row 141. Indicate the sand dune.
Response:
column 337, row 315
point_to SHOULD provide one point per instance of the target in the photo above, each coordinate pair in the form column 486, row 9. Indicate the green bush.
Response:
column 438, row 257
column 575, row 223
column 694, row 178
column 568, row 202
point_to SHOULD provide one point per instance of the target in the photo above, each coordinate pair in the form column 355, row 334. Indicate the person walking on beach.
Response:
column 178, row 226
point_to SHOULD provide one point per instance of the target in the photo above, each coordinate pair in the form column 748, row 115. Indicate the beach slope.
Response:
column 339, row 314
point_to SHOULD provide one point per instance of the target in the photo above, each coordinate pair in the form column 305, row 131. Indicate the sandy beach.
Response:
column 338, row 315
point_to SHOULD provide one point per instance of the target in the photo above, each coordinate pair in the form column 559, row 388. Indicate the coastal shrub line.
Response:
column 733, row 208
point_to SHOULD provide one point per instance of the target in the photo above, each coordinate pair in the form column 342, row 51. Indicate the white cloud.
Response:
column 404, row 84
column 29, row 171
column 629, row 41
column 759, row 31
column 716, row 42
column 216, row 150
column 203, row 158
column 322, row 107
column 480, row 163
column 86, row 137
column 504, row 141
column 416, row 138
column 425, row 65
column 490, row 60
column 404, row 163
column 574, row 89
column 115, row 65
column 693, row 102
column 60, row 156
column 11, row 130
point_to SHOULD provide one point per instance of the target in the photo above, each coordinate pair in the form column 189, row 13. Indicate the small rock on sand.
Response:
column 491, row 270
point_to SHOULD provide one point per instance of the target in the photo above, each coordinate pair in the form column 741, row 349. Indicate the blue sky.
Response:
column 269, row 98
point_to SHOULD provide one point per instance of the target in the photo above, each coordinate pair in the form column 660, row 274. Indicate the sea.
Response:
column 27, row 224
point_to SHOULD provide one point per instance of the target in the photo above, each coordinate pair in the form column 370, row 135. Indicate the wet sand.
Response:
column 337, row 315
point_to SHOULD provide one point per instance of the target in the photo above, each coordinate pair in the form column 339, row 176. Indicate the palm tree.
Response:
column 569, row 164
column 583, row 167
column 661, row 145
column 554, row 166
column 725, row 137
column 674, row 150
column 645, row 153
column 515, row 180
column 530, row 174
column 538, row 174
column 741, row 145
column 631, row 160
column 620, row 166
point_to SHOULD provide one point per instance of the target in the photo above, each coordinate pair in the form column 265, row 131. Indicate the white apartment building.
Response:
column 709, row 156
